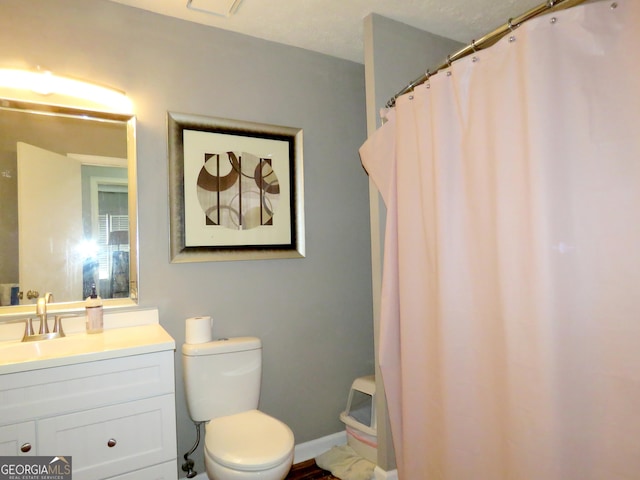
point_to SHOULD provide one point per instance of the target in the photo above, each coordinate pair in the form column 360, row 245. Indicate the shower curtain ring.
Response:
column 512, row 37
column 473, row 46
column 427, row 76
column 449, row 60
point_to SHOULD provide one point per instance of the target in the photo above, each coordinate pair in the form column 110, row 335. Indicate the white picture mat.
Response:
column 197, row 234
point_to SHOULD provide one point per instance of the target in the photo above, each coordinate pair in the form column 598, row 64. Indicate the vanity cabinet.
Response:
column 17, row 439
column 115, row 417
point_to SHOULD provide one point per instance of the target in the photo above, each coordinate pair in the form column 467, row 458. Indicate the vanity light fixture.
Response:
column 34, row 85
column 223, row 8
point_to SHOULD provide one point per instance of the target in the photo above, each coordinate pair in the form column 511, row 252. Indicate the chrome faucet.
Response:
column 41, row 313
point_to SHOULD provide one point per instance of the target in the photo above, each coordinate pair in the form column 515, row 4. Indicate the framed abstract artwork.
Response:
column 236, row 190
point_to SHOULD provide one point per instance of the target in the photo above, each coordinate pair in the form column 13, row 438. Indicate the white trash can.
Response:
column 360, row 418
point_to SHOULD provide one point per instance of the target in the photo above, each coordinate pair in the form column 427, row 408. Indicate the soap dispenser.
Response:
column 95, row 321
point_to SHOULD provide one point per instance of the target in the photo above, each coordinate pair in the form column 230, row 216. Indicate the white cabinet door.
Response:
column 165, row 471
column 18, row 439
column 109, row 441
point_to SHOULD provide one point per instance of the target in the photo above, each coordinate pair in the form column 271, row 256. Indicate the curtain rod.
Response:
column 487, row 41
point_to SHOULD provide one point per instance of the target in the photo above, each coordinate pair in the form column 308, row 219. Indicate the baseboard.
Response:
column 380, row 474
column 308, row 450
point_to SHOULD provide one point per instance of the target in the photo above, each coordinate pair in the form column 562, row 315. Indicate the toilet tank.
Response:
column 222, row 377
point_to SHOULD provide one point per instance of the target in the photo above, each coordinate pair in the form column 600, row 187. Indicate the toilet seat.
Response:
column 248, row 441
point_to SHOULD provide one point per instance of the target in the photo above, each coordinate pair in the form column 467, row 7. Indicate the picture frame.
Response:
column 235, row 188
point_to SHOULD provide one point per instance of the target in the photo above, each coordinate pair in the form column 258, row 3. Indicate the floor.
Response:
column 309, row 471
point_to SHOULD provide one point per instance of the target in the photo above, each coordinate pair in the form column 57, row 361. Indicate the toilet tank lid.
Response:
column 223, row 345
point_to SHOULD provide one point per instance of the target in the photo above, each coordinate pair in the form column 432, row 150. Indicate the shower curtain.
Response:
column 510, row 324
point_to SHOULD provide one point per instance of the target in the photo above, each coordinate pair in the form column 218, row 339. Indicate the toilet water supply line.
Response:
column 187, row 466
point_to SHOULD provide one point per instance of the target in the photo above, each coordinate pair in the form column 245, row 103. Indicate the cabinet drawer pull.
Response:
column 112, row 442
column 26, row 447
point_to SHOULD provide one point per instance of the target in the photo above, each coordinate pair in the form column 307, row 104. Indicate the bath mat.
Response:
column 343, row 462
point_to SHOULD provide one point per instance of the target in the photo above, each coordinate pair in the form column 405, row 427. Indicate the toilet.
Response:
column 222, row 386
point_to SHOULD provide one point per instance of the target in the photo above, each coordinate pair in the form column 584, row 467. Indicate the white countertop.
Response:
column 125, row 334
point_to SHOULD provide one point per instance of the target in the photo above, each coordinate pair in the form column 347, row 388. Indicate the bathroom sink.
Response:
column 16, row 356
column 17, row 352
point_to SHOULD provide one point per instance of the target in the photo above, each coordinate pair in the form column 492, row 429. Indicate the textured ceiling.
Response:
column 334, row 27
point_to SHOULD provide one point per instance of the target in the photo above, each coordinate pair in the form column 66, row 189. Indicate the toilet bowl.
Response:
column 246, row 446
column 222, row 387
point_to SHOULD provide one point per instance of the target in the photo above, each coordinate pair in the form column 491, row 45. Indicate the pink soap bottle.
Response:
column 95, row 320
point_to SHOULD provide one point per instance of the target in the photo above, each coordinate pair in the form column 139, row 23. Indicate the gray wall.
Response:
column 314, row 315
column 395, row 54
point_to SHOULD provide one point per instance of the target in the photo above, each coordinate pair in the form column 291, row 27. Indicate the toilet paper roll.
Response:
column 198, row 329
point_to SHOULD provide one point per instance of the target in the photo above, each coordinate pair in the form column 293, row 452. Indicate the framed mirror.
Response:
column 69, row 206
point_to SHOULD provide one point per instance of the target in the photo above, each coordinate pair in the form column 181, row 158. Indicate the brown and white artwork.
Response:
column 236, row 190
column 234, row 186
